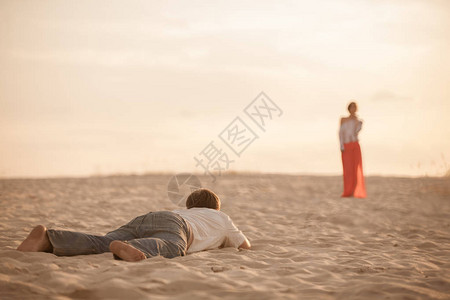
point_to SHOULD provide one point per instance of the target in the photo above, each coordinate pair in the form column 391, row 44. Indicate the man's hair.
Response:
column 203, row 198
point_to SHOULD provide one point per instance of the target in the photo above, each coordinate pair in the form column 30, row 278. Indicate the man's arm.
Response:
column 234, row 236
column 245, row 244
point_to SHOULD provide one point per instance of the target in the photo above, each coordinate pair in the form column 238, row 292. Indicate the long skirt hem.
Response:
column 353, row 172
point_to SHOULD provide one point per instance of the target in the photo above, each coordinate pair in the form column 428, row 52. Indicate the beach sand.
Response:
column 308, row 243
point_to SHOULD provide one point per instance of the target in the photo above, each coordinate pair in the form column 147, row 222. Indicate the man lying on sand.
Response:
column 201, row 226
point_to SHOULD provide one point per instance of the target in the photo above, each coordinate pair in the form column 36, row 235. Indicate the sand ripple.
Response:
column 307, row 242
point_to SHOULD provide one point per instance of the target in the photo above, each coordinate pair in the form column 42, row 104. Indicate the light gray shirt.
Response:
column 349, row 131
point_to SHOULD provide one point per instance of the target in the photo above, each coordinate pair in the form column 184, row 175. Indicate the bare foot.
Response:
column 36, row 241
column 126, row 251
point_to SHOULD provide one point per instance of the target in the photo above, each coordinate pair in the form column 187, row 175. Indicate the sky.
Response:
column 106, row 87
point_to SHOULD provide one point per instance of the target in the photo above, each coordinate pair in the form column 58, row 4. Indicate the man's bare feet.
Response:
column 36, row 241
column 126, row 251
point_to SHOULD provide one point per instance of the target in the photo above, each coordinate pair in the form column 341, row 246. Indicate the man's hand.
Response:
column 245, row 244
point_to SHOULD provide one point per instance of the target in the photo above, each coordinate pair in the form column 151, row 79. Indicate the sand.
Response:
column 308, row 243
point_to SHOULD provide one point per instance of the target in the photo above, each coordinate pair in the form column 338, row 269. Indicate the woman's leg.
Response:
column 360, row 188
column 349, row 174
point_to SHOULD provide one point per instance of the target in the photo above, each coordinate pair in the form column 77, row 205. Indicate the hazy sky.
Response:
column 99, row 87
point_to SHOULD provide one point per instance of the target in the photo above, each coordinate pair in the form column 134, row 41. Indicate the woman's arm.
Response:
column 341, row 135
column 358, row 125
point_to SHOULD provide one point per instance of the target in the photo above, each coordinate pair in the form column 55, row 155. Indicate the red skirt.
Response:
column 353, row 171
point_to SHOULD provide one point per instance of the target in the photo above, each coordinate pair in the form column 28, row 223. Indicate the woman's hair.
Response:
column 203, row 198
column 350, row 104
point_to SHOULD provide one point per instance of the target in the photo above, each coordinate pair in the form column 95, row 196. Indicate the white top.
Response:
column 211, row 229
column 349, row 131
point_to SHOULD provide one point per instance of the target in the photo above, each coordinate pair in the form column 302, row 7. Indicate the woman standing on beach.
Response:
column 351, row 154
